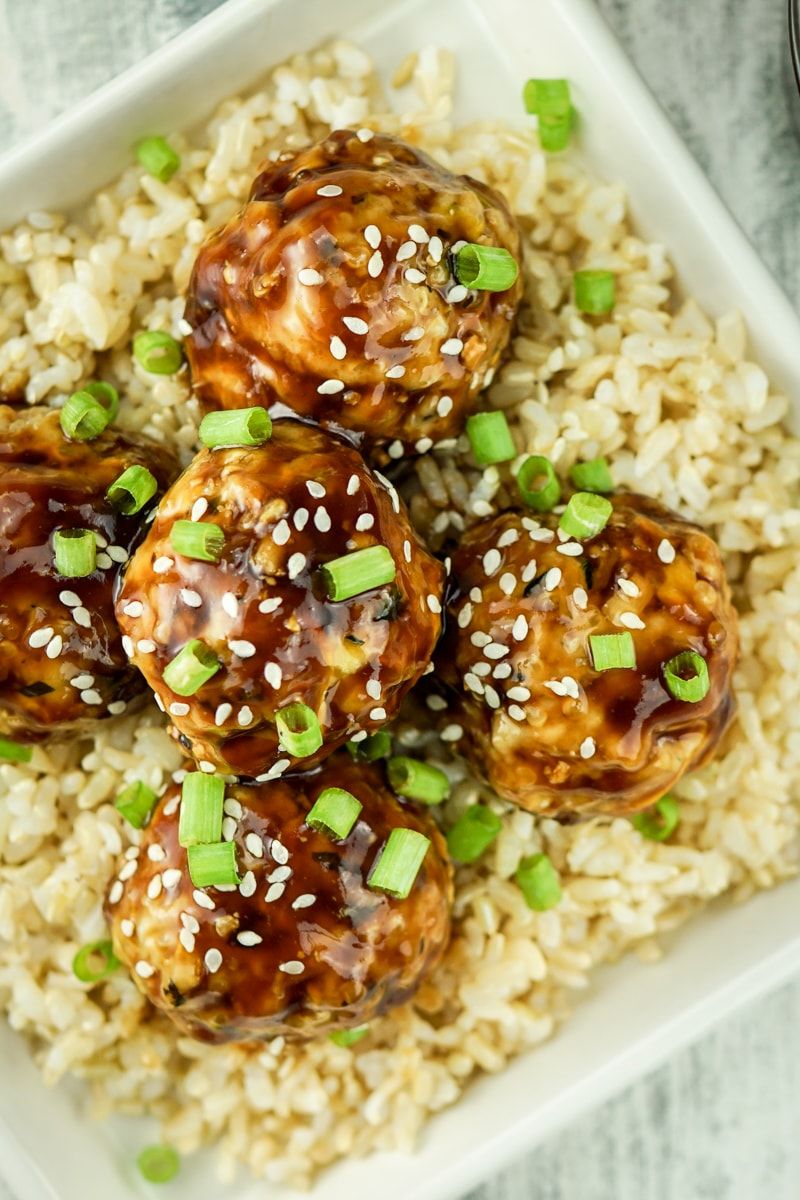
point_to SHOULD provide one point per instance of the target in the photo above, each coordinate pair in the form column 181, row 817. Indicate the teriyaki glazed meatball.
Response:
column 70, row 510
column 589, row 670
column 325, row 903
column 333, row 293
column 280, row 603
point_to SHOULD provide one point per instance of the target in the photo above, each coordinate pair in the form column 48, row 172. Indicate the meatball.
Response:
column 546, row 728
column 285, row 509
column 61, row 659
column 304, row 945
column 332, row 293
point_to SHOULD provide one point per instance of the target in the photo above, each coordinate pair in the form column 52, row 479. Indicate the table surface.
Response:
column 719, row 1122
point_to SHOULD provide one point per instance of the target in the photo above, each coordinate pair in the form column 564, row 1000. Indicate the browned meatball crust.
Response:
column 304, row 945
column 332, row 293
column 547, row 730
column 61, row 660
column 287, row 507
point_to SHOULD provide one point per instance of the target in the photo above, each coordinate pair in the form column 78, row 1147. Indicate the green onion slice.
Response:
column 595, row 292
column 555, row 131
column 398, row 866
column 592, row 476
column 202, row 798
column 370, row 749
column 106, row 394
column 686, row 676
column 547, row 97
column 334, row 813
column 473, row 833
column 358, row 572
column 299, row 730
column 135, row 803
column 131, row 490
column 538, row 484
column 417, row 780
column 490, row 438
column 586, row 515
column 202, row 540
column 95, row 962
column 191, row 667
column 538, row 880
column 612, row 650
column 348, row 1037
column 486, row 268
column 157, row 157
column 214, row 865
column 661, row 820
column 83, row 418
column 14, row 751
column 236, row 427
column 159, row 1164
column 74, row 552
column 157, row 351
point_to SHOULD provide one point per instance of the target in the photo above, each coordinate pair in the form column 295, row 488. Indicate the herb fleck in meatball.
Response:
column 284, row 509
column 548, row 728
column 332, row 293
column 304, row 945
column 61, row 660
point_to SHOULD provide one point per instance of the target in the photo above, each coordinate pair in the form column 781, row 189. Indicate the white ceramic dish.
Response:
column 635, row 1015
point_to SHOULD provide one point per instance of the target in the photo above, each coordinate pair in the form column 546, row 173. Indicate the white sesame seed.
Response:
column 396, row 372
column 82, row 681
column 433, row 603
column 491, row 561
column 144, row 970
column 475, row 595
column 508, row 583
column 436, row 248
column 375, row 264
column 212, row 960
column 518, row 693
column 115, row 892
column 104, row 561
column 199, row 508
column 101, row 541
column 281, row 533
column 587, row 747
column 423, row 445
column 627, row 586
column 206, row 767
column 232, row 808
column 365, row 135
column 540, row 535
column 365, row 522
column 491, row 697
column 580, row 598
column 70, row 599
column 452, row 346
column 377, row 714
column 359, row 736
column 395, row 450
column 273, row 675
column 191, row 597
column 81, row 616
column 300, row 519
column 156, row 853
column 145, row 646
column 255, row 845
column 494, row 650
column 418, row 234
column 457, row 293
column 244, row 717
column 91, row 697
column 269, row 606
column 480, row 639
column 127, row 645
column 228, row 829
column 444, row 406
column 456, row 246
column 412, row 275
column 186, row 939
column 241, row 648
column 310, row 277
column 571, row 549
column 338, row 348
column 116, row 707
column 277, row 849
column 247, row 887
column 529, row 571
column 465, row 615
column 55, row 646
column 127, row 926
column 372, row 236
column 571, row 686
column 117, row 554
column 203, row 899
column 407, row 550
column 291, row 968
column 40, row 637
column 248, row 938
column 296, row 564
column 322, row 520
column 519, row 630
column 502, row 670
column 330, row 189
column 178, row 709
column 451, row 733
column 630, row 620
column 304, row 901
column 666, row 551
column 355, row 325
column 154, row 887
column 552, row 579
column 330, row 387
column 373, row 689
column 413, row 334
column 163, row 564
column 436, row 703
column 316, row 490
column 128, row 871
column 474, row 684
column 279, row 875
column 406, row 251
column 516, row 713
column 230, row 604
column 222, row 713
column 274, row 892
column 556, row 686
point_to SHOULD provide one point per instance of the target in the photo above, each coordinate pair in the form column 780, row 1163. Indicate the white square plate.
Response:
column 635, row 1015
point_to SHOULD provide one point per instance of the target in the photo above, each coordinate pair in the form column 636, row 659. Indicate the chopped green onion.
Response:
column 358, row 572
column 686, row 676
column 197, row 539
column 348, row 1037
column 538, row 484
column 661, row 820
column 486, row 268
column 538, row 880
column 131, row 490
column 547, row 97
column 595, row 292
column 74, row 552
column 135, row 803
column 157, row 351
column 14, row 751
column 159, row 1164
column 236, row 427
column 202, row 798
column 107, row 395
column 592, row 476
column 555, row 132
column 473, row 832
column 158, row 158
column 612, row 650
column 191, row 667
column 398, row 866
column 83, row 418
column 95, row 962
column 370, row 749
column 417, row 780
column 586, row 515
column 214, row 865
column 334, row 813
column 490, row 438
column 299, row 731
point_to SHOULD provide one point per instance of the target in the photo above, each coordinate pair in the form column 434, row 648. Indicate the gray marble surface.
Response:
column 721, row 1121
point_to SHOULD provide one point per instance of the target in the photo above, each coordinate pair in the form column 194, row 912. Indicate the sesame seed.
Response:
column 330, row 189
column 518, row 693
column 212, row 960
column 273, row 675
column 412, row 275
column 516, row 713
column 627, row 586
column 277, row 849
column 630, row 620
column 255, row 845
column 241, row 648
column 456, row 246
column 230, row 604
column 82, row 617
column 232, row 808
column 248, row 938
column 436, row 248
column 457, row 293
column 145, row 646
column 395, row 450
column 128, row 871
column 452, row 346
column 69, row 598
column 355, row 325
column 396, row 372
column 444, row 406
column 508, row 583
column 203, row 899
column 91, row 697
column 373, row 689
column 407, row 550
column 191, row 597
column 475, row 595
column 502, row 670
column 375, row 264
column 304, row 901
column 199, row 508
column 115, row 892
column 317, row 490
column 186, row 939
column 280, row 875
column 433, row 603
column 128, row 928
column 451, row 733
column 55, row 646
column 310, row 277
column 269, row 606
column 571, row 686
column 247, row 887
column 540, row 535
column 82, row 681
column 359, row 736
column 154, row 887
column 491, row 561
column 587, row 747
column 580, row 598
column 144, row 970
column 666, row 551
column 300, row 519
column 495, row 650
column 365, row 135
column 245, row 715
column 406, row 251
column 156, row 853
column 178, row 709
column 423, row 445
column 291, row 968
column 552, row 579
column 104, row 561
column 222, row 713
column 556, row 686
column 281, row 533
column 127, row 645
column 436, row 703
column 296, row 564
column 228, row 829
column 491, row 697
column 101, row 541
column 377, row 714
column 116, row 707
column 274, row 892
column 413, row 334
column 207, row 767
column 529, row 571
column 480, row 639
column 365, row 522
column 418, row 234
column 40, row 637
column 465, row 616
column 163, row 564
column 519, row 630
column 571, row 549
column 474, row 684
column 372, row 236
column 322, row 519
column 330, row 387
column 118, row 554
column 338, row 348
